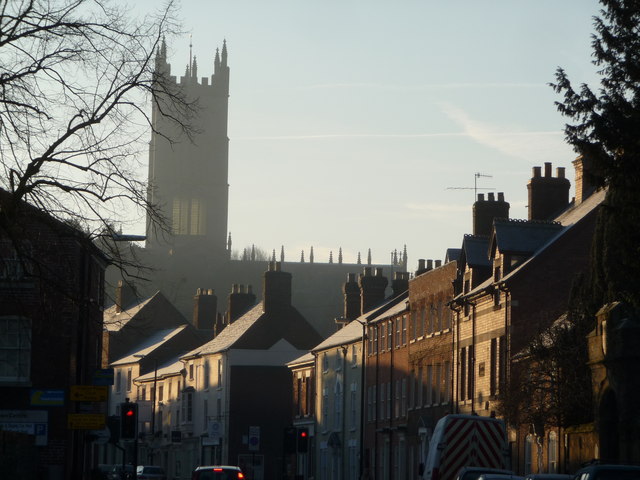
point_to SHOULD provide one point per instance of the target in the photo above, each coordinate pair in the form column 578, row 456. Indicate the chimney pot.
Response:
column 537, row 171
column 481, row 197
column 367, row 271
column 560, row 172
column 492, row 197
column 438, row 263
column 501, row 196
column 547, row 169
column 378, row 271
column 429, row 264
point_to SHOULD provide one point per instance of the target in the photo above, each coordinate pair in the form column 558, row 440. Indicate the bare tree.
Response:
column 76, row 77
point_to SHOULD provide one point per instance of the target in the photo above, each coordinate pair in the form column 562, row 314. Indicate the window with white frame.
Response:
column 553, row 452
column 337, row 407
column 528, row 450
column 118, row 381
column 15, row 349
column 129, row 379
column 205, row 374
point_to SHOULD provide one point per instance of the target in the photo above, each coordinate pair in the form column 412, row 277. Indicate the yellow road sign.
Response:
column 88, row 393
column 85, row 421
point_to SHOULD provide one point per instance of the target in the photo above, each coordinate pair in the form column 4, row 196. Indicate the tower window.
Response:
column 188, row 217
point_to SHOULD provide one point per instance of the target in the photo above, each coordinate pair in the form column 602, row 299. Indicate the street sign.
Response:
column 88, row 393
column 254, row 439
column 103, row 376
column 86, row 421
column 31, row 422
column 47, row 398
column 213, row 434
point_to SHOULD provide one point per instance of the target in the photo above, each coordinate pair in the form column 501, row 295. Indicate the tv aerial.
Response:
column 475, row 187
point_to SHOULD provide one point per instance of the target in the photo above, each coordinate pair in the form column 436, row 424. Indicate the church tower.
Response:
column 188, row 177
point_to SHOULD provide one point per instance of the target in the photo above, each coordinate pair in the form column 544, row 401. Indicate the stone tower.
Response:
column 188, row 177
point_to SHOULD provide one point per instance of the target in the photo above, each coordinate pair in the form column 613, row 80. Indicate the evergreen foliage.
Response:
column 606, row 132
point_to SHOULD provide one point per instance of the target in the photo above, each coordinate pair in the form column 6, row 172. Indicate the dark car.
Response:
column 473, row 473
column 608, row 472
column 150, row 472
column 217, row 472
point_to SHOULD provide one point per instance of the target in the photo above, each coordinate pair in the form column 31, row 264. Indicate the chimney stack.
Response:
column 484, row 211
column 276, row 292
column 372, row 288
column 400, row 283
column 239, row 302
column 125, row 295
column 584, row 188
column 205, row 309
column 548, row 195
column 421, row 267
column 352, row 301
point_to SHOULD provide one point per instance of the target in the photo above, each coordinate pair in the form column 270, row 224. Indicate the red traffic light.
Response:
column 130, row 413
column 303, row 433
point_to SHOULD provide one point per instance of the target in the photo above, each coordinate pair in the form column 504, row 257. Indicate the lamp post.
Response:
column 153, row 401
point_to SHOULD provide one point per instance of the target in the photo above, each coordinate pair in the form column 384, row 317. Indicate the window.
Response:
column 375, row 340
column 404, row 397
column 191, row 371
column 398, row 326
column 119, row 381
column 383, row 336
column 205, row 374
column 528, row 448
column 353, row 406
column 129, row 380
column 438, row 383
column 15, row 266
column 420, row 387
column 338, row 360
column 553, row 452
column 404, row 330
column 382, row 401
column 337, row 407
column 187, row 407
column 463, row 373
column 446, row 388
column 397, row 405
column 15, row 348
column 429, row 397
column 421, row 323
column 354, row 355
column 413, row 334
column 388, row 400
column 325, row 407
column 470, row 379
column 493, row 373
column 188, row 217
column 389, row 334
column 325, row 362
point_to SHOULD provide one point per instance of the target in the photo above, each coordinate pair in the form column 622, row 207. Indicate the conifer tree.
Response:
column 605, row 130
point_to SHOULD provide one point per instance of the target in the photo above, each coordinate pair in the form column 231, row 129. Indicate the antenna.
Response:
column 475, row 187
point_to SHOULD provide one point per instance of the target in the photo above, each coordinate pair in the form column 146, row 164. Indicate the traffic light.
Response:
column 303, row 440
column 128, row 420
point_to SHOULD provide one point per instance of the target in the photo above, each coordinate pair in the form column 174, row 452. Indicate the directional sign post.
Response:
column 254, row 439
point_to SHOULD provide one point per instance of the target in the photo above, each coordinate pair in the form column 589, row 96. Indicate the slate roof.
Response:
column 258, row 330
column 352, row 331
column 149, row 344
column 114, row 320
column 168, row 368
column 475, row 250
column 452, row 254
column 522, row 236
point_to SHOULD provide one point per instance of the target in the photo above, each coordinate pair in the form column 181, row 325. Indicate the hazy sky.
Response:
column 350, row 121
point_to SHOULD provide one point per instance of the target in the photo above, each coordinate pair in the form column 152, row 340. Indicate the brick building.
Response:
column 51, row 294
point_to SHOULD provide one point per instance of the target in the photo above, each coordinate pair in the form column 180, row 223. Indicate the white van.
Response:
column 466, row 440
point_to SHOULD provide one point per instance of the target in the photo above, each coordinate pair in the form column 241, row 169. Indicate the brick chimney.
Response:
column 239, row 302
column 484, row 211
column 584, row 188
column 352, row 301
column 205, row 309
column 372, row 288
column 125, row 295
column 276, row 289
column 548, row 195
column 400, row 283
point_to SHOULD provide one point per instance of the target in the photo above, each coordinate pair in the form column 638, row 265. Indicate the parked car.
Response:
column 217, row 472
column 548, row 476
column 474, row 473
column 500, row 476
column 150, row 472
column 118, row 474
column 598, row 471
